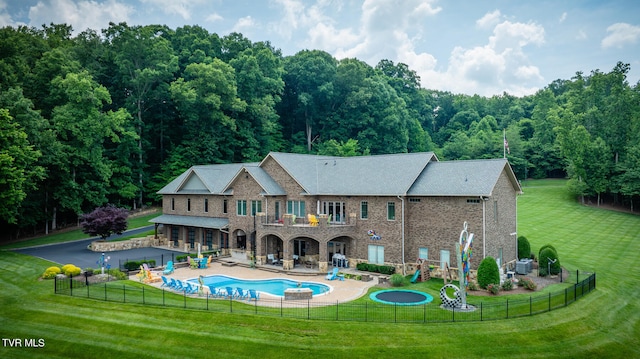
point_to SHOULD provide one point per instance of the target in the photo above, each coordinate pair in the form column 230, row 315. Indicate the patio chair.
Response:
column 253, row 295
column 165, row 282
column 187, row 287
column 333, row 274
column 177, row 285
column 313, row 220
column 242, row 294
column 169, row 268
column 273, row 259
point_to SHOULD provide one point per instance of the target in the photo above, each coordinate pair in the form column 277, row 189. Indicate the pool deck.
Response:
column 341, row 290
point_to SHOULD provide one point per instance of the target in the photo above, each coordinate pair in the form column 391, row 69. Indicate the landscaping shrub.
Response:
column 524, row 248
column 370, row 267
column 135, row 265
column 488, row 272
column 51, row 272
column 545, row 247
column 493, row 288
column 507, row 284
column 527, row 283
column 543, row 260
column 397, row 280
column 472, row 286
column 71, row 270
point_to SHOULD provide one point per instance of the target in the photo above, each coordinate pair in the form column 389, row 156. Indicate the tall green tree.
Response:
column 18, row 172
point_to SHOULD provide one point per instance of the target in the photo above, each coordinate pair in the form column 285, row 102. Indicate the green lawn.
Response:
column 602, row 324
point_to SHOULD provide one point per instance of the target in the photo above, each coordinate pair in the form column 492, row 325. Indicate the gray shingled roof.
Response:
column 303, row 168
column 459, row 178
column 191, row 221
column 382, row 175
column 214, row 177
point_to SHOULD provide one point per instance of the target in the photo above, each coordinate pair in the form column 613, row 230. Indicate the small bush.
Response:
column 507, row 284
column 473, row 286
column 51, row 272
column 71, row 270
column 397, row 280
column 135, row 265
column 488, row 272
column 527, row 283
column 524, row 248
column 545, row 247
column 493, row 288
column 386, row 269
column 543, row 261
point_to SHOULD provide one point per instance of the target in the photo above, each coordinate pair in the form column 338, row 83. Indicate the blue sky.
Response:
column 462, row 46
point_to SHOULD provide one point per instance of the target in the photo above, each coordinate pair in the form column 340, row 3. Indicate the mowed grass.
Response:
column 603, row 324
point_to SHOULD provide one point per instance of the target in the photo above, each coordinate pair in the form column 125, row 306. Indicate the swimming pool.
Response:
column 274, row 286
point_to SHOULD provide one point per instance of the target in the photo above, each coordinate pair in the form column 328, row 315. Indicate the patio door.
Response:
column 335, row 210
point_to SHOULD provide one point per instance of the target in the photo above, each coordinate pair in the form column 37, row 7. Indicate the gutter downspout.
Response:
column 404, row 272
column 484, row 227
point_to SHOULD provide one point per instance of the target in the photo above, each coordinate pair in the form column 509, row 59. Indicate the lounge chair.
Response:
column 242, row 294
column 169, row 268
column 165, row 282
column 313, row 220
column 253, row 295
column 230, row 293
column 333, row 274
column 214, row 292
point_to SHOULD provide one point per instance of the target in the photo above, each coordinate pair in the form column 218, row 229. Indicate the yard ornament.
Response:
column 463, row 253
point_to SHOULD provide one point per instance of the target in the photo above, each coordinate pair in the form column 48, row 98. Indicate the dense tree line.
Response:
column 111, row 117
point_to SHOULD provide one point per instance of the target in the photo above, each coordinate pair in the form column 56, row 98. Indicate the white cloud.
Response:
column 489, row 19
column 563, row 17
column 79, row 14
column 500, row 65
column 5, row 17
column 244, row 25
column 215, row 17
column 174, row 7
column 621, row 34
column 582, row 35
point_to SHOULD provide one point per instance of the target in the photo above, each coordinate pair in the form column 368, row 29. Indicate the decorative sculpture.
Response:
column 102, row 262
column 463, row 253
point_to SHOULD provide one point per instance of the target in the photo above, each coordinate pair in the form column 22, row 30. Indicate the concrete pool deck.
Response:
column 341, row 291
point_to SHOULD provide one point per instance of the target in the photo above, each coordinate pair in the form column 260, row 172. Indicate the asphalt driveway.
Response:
column 76, row 252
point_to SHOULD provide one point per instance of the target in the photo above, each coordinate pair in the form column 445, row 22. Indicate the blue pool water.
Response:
column 275, row 286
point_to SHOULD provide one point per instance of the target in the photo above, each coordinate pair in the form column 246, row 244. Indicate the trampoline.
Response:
column 400, row 297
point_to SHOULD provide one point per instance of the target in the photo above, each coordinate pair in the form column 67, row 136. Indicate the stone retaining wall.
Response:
column 107, row 246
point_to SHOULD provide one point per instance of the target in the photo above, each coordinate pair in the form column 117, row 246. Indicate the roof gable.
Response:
column 462, row 178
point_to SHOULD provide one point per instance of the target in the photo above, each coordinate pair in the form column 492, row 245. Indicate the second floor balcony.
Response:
column 309, row 224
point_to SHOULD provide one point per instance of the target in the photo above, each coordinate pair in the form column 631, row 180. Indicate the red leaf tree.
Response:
column 104, row 221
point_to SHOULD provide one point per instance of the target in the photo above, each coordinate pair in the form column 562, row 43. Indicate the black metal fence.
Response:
column 121, row 292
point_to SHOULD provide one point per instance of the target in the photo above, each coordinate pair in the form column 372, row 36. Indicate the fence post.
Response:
column 507, row 308
column 105, row 291
column 337, row 303
column 143, row 295
column 124, row 294
column 530, row 306
column 71, row 285
column 549, row 301
column 366, row 312
column 163, row 303
column 308, row 309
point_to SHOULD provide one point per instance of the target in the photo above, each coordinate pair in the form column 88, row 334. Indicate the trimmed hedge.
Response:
column 135, row 265
column 488, row 272
column 524, row 248
column 543, row 260
column 370, row 267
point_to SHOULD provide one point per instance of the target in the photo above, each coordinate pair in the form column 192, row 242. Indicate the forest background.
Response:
column 111, row 117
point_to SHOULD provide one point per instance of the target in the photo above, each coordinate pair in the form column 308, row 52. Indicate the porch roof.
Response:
column 192, row 221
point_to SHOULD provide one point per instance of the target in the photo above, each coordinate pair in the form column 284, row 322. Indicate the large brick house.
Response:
column 384, row 209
